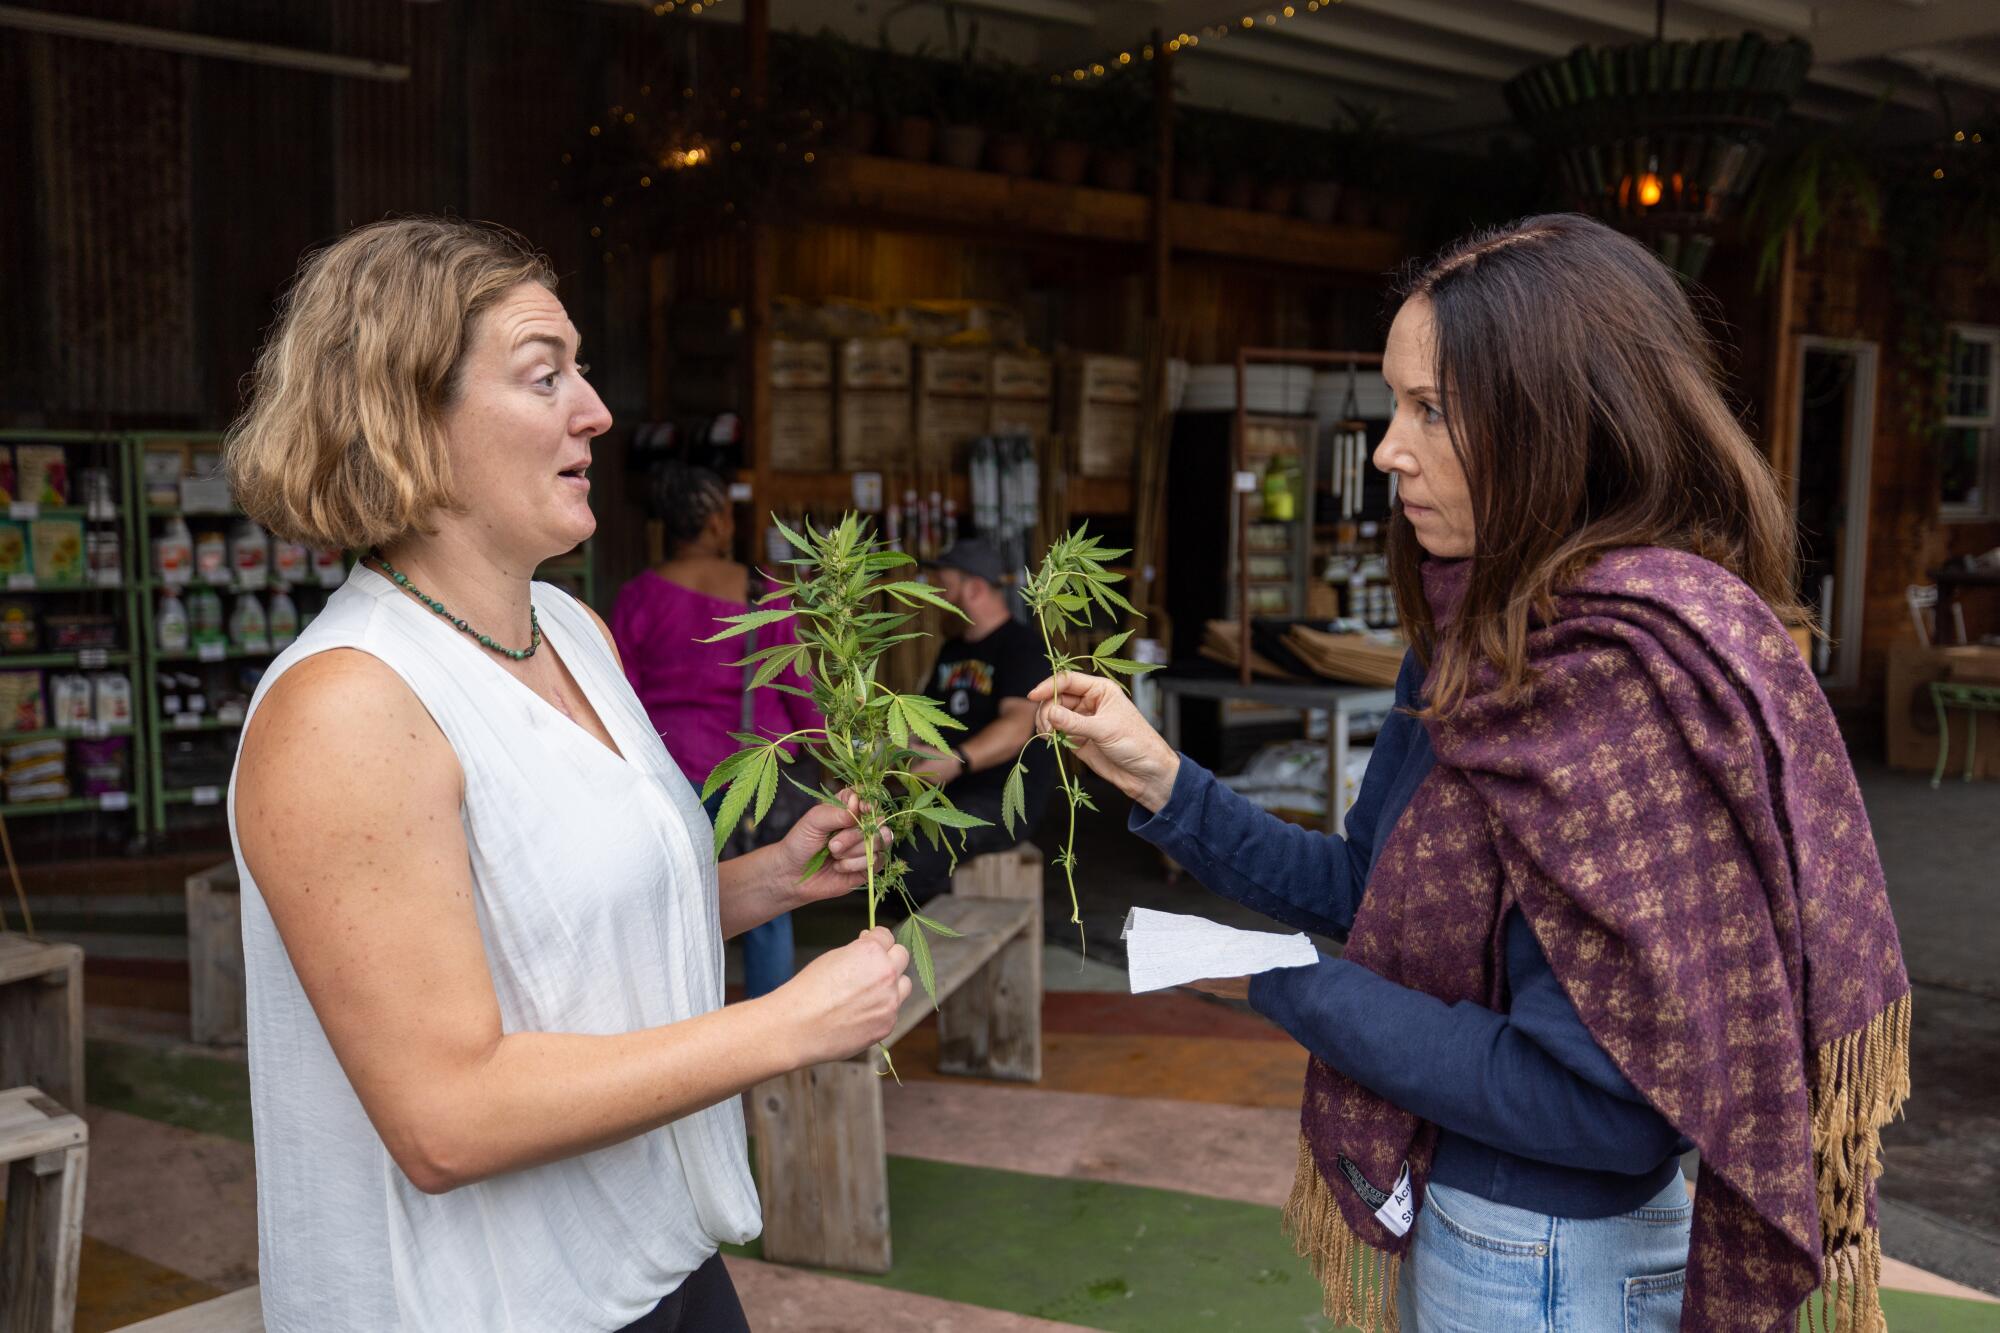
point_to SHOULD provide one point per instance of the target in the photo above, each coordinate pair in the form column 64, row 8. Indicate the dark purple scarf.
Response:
column 1674, row 813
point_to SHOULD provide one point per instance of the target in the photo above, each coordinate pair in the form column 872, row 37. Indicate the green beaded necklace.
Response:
column 402, row 580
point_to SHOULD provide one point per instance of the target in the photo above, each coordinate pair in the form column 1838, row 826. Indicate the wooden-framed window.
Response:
column 1969, row 448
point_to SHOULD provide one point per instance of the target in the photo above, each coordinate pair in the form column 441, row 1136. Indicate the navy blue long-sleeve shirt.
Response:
column 1533, row 1113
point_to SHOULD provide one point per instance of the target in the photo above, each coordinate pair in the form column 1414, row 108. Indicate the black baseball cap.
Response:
column 976, row 556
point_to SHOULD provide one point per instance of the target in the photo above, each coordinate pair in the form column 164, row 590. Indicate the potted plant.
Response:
column 1196, row 140
column 829, row 75
column 1361, row 144
column 1066, row 159
column 1021, row 100
column 963, row 96
column 1239, row 160
column 1319, row 196
column 905, row 90
column 1121, row 106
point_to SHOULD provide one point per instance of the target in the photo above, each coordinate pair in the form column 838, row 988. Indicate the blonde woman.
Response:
column 492, row 1075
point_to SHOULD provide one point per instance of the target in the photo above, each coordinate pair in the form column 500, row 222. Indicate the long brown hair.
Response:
column 1581, row 399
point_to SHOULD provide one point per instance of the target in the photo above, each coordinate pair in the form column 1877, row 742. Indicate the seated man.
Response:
column 982, row 677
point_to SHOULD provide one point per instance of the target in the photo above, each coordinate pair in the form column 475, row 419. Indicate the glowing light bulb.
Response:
column 1649, row 190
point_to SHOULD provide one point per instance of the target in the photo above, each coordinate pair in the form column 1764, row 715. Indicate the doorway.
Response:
column 1836, row 429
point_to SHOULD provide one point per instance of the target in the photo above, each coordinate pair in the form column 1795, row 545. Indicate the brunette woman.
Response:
column 1609, row 891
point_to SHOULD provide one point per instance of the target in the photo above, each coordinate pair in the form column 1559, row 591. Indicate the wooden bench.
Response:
column 46, row 1149
column 822, row 1164
column 215, row 956
column 41, row 1017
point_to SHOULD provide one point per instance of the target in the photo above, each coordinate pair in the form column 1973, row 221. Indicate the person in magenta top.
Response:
column 690, row 691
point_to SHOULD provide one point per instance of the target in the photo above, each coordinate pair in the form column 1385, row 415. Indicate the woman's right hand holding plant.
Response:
column 1110, row 735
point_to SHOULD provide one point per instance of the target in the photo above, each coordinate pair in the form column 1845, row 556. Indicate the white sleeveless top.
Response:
column 596, row 895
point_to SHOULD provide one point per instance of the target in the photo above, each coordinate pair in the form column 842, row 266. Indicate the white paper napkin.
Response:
column 1168, row 949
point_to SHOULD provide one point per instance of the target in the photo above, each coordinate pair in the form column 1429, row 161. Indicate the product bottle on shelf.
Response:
column 211, row 557
column 248, row 626
column 170, row 626
column 205, row 615
column 250, row 555
column 290, row 563
column 284, row 619
column 173, row 554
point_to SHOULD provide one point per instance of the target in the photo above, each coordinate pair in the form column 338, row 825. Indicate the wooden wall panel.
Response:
column 111, row 142
column 399, row 147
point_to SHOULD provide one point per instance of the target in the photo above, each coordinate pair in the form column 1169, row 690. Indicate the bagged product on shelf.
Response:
column 13, row 547
column 211, row 557
column 113, row 697
column 42, row 474
column 102, row 765
column 284, row 619
column 163, row 468
column 173, row 554
column 205, row 624
column 249, row 629
column 98, row 493
column 70, row 633
column 58, row 550
column 70, row 701
column 250, row 555
column 20, row 632
column 21, row 701
column 9, row 488
column 104, row 555
column 170, row 625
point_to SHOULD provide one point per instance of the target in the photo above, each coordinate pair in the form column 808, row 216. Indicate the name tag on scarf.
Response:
column 1393, row 1210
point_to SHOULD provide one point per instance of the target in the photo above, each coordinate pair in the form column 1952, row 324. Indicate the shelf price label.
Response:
column 212, row 652
column 114, row 800
column 205, row 796
column 91, row 659
column 93, row 728
column 24, row 511
column 105, row 578
column 22, row 581
column 256, row 645
column 187, row 721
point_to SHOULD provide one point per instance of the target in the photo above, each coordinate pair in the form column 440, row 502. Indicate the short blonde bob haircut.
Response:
column 342, row 441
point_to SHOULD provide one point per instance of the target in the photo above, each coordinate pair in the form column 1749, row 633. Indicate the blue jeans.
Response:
column 1484, row 1267
column 767, row 949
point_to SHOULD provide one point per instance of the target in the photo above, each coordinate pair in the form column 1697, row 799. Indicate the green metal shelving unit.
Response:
column 134, row 799
column 148, row 798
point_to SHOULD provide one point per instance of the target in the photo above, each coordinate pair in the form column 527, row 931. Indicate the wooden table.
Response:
column 41, row 1017
column 1342, row 703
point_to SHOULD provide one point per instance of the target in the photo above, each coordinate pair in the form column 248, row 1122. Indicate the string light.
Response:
column 1938, row 175
column 1124, row 57
column 1183, row 41
column 1958, row 137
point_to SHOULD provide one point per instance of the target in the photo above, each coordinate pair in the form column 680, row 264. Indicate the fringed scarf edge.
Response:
column 1861, row 1081
column 1359, row 1280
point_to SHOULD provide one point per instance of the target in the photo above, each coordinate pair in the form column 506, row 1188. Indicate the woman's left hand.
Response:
column 837, row 830
column 1227, row 988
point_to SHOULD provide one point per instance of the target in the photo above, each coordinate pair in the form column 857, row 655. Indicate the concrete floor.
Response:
column 1941, row 853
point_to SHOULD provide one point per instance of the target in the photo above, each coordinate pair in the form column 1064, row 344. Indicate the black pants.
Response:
column 705, row 1303
column 929, row 871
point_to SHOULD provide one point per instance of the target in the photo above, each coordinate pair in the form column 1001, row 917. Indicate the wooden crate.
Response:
column 944, row 424
column 41, row 1016
column 873, row 430
column 215, row 956
column 822, row 1166
column 802, row 430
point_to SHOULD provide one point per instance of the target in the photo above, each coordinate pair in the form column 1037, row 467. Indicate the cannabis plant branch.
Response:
column 1063, row 596
column 842, row 590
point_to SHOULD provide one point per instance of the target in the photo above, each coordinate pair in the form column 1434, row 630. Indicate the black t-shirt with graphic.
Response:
column 970, row 679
